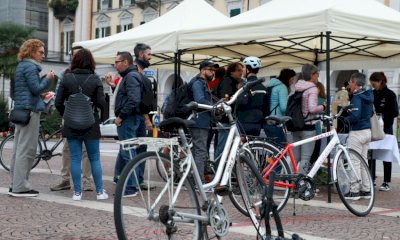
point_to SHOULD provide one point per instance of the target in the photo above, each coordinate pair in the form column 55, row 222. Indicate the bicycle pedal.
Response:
column 221, row 190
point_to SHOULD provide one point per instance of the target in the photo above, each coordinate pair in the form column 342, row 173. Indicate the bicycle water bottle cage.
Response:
column 305, row 187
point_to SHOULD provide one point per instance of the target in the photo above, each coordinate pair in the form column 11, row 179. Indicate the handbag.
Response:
column 377, row 132
column 20, row 116
column 78, row 113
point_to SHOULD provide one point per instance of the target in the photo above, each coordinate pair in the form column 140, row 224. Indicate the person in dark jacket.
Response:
column 251, row 110
column 66, row 158
column 360, row 132
column 82, row 74
column 228, row 86
column 385, row 102
column 29, row 88
column 130, row 123
column 201, row 94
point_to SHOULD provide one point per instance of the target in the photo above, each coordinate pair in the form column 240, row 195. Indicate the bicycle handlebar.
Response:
column 247, row 87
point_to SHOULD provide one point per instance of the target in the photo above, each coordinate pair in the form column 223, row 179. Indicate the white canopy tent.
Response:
column 161, row 34
column 293, row 32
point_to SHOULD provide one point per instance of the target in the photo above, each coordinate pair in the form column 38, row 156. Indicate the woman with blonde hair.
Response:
column 28, row 91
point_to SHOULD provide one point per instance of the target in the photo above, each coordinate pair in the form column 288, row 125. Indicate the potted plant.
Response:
column 63, row 8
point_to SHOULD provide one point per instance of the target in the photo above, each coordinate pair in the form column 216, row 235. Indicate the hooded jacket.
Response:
column 359, row 117
column 309, row 104
column 278, row 98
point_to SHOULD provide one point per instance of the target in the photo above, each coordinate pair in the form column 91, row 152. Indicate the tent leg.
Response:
column 328, row 87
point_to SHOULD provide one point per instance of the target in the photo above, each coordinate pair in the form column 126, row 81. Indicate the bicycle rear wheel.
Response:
column 152, row 205
column 348, row 178
column 263, row 153
column 6, row 151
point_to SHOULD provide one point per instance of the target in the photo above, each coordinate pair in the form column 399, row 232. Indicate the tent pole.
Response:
column 179, row 66
column 328, row 104
column 175, row 72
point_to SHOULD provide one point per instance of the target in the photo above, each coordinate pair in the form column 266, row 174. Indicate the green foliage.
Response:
column 4, row 123
column 11, row 38
column 63, row 8
column 52, row 122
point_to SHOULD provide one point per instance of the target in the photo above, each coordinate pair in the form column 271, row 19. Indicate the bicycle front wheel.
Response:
column 6, row 152
column 263, row 154
column 350, row 180
column 152, row 206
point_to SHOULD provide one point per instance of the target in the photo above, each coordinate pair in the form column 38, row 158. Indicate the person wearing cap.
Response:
column 200, row 93
column 251, row 110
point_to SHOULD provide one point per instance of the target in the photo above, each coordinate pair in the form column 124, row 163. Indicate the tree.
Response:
column 11, row 38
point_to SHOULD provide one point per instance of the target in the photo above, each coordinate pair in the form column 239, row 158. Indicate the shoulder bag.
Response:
column 377, row 132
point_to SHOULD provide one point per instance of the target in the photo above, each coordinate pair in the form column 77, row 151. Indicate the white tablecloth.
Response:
column 386, row 150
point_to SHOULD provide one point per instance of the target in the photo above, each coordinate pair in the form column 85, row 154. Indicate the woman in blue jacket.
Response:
column 29, row 88
column 360, row 132
column 278, row 101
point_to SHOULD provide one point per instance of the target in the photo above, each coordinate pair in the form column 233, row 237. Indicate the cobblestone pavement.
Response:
column 53, row 215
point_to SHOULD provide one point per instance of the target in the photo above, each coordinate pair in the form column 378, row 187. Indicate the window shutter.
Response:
column 120, row 3
column 118, row 28
column 98, row 5
column 97, row 33
column 72, row 37
column 108, row 31
column 130, row 25
column 234, row 12
column 62, row 43
column 133, row 2
column 109, row 4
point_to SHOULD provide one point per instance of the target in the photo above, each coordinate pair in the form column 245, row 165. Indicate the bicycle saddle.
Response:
column 174, row 123
column 276, row 120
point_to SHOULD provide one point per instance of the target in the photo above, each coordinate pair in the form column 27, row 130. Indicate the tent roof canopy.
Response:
column 291, row 32
column 161, row 33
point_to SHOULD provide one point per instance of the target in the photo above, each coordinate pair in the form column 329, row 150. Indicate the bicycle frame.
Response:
column 334, row 142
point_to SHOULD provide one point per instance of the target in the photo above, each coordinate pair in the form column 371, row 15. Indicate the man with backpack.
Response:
column 199, row 92
column 308, row 91
column 251, row 109
column 130, row 118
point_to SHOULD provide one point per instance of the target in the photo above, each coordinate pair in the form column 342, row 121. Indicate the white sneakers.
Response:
column 100, row 196
column 77, row 196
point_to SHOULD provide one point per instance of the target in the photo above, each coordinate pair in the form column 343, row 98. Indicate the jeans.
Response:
column 199, row 150
column 93, row 152
column 222, row 136
column 131, row 127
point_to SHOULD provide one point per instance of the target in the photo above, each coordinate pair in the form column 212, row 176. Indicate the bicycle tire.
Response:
column 6, row 151
column 246, row 171
column 262, row 151
column 131, row 210
column 346, row 176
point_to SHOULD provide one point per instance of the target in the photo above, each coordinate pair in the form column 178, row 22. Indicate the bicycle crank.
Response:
column 305, row 187
column 219, row 219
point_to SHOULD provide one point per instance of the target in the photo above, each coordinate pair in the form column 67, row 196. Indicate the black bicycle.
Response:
column 44, row 150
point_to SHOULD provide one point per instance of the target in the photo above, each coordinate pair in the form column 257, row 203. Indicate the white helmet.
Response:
column 253, row 62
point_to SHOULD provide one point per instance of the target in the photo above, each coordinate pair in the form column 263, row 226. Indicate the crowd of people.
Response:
column 81, row 153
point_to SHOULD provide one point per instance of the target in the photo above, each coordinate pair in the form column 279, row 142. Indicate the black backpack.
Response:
column 147, row 103
column 174, row 104
column 294, row 111
column 78, row 113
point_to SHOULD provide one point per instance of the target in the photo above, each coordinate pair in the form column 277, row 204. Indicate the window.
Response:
column 67, row 36
column 125, row 21
column 103, row 26
column 126, row 3
column 104, row 4
column 103, row 32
